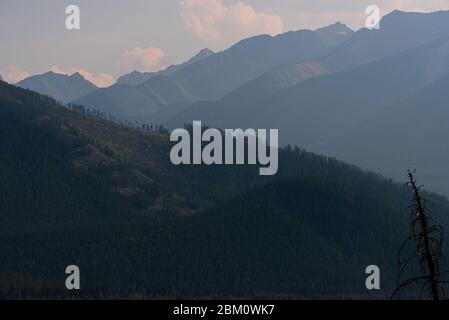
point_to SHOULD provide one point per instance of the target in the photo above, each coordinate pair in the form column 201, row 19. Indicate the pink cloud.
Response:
column 14, row 74
column 212, row 21
column 142, row 59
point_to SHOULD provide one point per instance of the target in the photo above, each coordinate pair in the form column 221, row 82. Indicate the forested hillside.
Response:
column 78, row 189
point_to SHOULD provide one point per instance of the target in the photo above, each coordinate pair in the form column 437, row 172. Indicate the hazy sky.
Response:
column 118, row 36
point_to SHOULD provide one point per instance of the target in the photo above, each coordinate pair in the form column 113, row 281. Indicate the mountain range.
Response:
column 79, row 189
column 400, row 31
column 320, row 88
column 155, row 97
column 315, row 111
column 137, row 96
column 80, row 185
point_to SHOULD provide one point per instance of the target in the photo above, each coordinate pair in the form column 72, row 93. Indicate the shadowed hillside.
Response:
column 77, row 189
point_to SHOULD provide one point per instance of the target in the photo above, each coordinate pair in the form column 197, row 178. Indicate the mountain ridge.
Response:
column 136, row 77
column 198, row 80
column 207, row 230
column 373, row 86
column 62, row 87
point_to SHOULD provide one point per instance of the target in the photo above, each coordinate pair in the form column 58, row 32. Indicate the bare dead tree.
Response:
column 427, row 240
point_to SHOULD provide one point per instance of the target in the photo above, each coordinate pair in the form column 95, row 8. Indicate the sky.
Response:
column 119, row 36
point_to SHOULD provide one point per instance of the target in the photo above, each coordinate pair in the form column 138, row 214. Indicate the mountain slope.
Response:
column 135, row 78
column 63, row 88
column 77, row 189
column 316, row 111
column 412, row 132
column 145, row 103
column 257, row 231
column 400, row 31
column 252, row 57
column 212, row 76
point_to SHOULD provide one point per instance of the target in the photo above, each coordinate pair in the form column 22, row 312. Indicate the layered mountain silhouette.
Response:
column 317, row 110
column 63, row 88
column 211, row 76
column 144, row 97
column 400, row 31
column 102, row 195
column 314, row 105
column 252, row 57
column 411, row 133
column 144, row 103
column 72, row 179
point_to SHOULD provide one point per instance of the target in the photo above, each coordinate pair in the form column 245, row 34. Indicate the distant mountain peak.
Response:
column 52, row 74
column 335, row 33
column 49, row 73
column 203, row 53
column 77, row 75
column 407, row 20
column 62, row 87
column 335, row 28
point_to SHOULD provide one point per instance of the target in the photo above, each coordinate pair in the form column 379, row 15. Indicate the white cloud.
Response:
column 142, row 59
column 214, row 22
column 13, row 74
column 100, row 80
